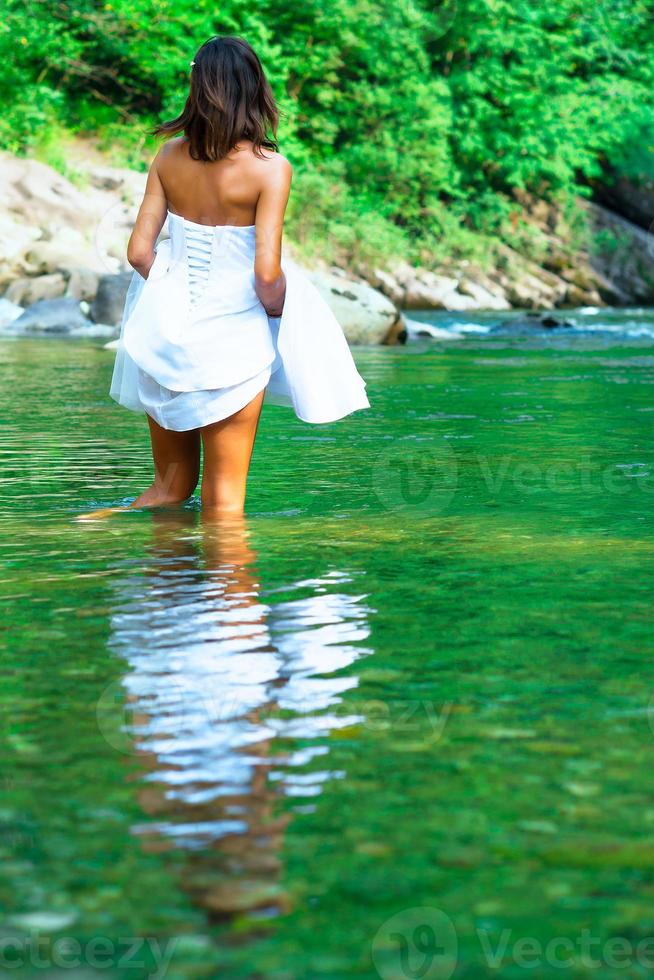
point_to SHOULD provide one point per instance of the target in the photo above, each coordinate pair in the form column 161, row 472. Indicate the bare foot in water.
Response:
column 150, row 498
column 96, row 515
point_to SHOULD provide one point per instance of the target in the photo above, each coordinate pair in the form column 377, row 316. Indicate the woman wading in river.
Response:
column 213, row 318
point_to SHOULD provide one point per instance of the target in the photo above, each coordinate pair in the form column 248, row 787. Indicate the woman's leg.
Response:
column 228, row 448
column 176, row 457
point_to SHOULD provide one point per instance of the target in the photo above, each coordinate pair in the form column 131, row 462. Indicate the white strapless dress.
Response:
column 196, row 344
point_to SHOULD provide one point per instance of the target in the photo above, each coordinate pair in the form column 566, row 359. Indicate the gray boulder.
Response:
column 366, row 316
column 27, row 290
column 622, row 257
column 50, row 316
column 633, row 199
column 68, row 252
column 109, row 301
column 83, row 284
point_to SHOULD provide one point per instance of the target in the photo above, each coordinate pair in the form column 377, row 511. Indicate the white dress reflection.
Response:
column 216, row 676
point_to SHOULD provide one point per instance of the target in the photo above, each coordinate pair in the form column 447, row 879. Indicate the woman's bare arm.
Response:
column 270, row 284
column 149, row 222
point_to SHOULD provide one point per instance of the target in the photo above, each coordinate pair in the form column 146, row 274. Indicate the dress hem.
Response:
column 212, row 421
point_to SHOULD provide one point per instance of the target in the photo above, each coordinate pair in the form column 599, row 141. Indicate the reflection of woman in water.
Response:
column 210, row 667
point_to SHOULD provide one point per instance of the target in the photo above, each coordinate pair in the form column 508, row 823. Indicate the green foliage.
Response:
column 410, row 125
column 329, row 221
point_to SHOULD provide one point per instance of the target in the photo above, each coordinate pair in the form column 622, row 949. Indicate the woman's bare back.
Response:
column 224, row 192
column 241, row 189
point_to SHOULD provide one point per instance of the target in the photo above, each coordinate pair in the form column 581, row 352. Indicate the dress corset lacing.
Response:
column 199, row 247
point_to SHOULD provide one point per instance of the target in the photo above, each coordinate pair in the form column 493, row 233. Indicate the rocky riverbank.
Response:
column 63, row 270
column 62, row 257
column 614, row 267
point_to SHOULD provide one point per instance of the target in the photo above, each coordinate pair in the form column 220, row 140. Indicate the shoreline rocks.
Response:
column 65, row 244
column 413, row 288
column 50, row 316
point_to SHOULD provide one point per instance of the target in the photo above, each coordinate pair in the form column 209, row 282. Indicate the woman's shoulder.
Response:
column 274, row 157
column 170, row 150
column 265, row 159
column 274, row 168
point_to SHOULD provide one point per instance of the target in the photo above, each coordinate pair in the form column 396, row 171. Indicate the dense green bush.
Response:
column 410, row 125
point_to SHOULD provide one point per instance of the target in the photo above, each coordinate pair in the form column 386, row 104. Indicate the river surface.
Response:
column 399, row 724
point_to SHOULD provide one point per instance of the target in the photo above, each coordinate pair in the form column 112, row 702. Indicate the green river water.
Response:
column 400, row 725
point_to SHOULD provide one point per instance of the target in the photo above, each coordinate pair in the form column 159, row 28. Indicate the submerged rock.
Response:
column 551, row 322
column 533, row 321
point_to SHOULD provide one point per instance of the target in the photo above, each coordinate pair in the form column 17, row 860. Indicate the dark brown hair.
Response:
column 230, row 99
